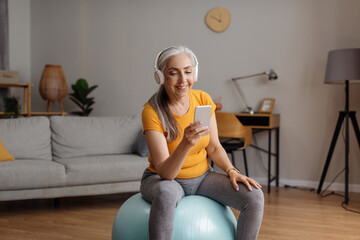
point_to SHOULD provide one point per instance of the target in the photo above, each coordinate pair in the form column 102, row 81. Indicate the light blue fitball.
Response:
column 196, row 217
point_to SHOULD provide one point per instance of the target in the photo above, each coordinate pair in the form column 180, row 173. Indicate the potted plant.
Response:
column 12, row 107
column 80, row 97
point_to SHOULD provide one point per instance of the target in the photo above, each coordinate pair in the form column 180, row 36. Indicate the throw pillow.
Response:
column 4, row 154
column 140, row 147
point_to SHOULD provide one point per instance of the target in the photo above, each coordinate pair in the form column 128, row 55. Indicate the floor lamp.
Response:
column 271, row 76
column 343, row 67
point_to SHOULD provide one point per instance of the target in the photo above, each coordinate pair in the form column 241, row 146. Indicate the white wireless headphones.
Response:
column 159, row 76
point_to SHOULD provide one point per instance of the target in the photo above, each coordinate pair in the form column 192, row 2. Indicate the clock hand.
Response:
column 220, row 18
column 217, row 19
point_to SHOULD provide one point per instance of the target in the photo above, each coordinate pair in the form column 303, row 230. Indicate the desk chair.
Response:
column 233, row 135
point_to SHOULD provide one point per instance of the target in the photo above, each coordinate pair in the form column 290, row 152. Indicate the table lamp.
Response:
column 271, row 76
column 53, row 86
column 343, row 67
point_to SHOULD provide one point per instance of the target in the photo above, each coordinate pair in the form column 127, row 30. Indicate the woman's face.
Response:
column 179, row 75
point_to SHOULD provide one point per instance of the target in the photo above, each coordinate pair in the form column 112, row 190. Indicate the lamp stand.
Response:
column 342, row 115
column 247, row 109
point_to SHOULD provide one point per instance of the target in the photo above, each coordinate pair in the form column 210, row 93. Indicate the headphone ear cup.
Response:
column 159, row 77
column 196, row 73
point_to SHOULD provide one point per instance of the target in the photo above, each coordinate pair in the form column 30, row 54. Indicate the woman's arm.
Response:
column 219, row 156
column 168, row 166
column 215, row 151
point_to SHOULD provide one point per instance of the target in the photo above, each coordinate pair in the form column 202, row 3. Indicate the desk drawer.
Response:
column 259, row 120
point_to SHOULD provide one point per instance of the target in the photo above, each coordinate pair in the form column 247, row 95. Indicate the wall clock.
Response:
column 218, row 19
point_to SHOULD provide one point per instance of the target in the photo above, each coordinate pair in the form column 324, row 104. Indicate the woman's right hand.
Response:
column 194, row 132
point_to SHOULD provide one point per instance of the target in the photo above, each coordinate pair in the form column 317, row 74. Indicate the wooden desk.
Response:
column 27, row 95
column 265, row 122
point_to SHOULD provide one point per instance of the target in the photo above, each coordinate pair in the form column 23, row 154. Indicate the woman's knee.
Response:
column 254, row 199
column 168, row 192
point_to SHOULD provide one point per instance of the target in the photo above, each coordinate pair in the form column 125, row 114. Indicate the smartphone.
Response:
column 203, row 114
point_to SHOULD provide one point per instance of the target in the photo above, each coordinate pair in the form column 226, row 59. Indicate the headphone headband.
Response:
column 158, row 74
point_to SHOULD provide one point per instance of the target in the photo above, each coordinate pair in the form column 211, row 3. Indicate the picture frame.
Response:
column 267, row 105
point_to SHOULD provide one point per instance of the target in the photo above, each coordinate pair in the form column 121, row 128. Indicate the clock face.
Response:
column 218, row 19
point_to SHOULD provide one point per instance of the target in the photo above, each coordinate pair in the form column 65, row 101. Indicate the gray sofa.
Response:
column 71, row 156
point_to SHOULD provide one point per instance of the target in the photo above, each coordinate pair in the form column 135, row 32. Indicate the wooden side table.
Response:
column 27, row 100
column 27, row 95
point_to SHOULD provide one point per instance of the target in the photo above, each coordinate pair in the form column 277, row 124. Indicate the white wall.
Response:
column 19, row 41
column 113, row 44
column 19, row 36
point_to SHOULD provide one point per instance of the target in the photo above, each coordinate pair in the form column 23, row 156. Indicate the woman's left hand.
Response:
column 236, row 177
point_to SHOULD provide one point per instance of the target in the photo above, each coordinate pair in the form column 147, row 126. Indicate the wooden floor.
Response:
column 289, row 214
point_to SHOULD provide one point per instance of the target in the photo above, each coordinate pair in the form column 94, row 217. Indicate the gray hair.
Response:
column 171, row 51
column 159, row 101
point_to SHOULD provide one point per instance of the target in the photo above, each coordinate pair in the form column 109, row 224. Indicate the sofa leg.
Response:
column 57, row 202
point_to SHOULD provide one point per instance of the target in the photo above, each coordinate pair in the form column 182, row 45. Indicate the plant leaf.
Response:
column 79, row 96
column 89, row 100
column 88, row 111
column 88, row 106
column 82, row 84
column 76, row 102
column 91, row 89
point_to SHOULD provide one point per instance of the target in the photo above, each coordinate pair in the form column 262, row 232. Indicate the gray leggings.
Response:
column 164, row 196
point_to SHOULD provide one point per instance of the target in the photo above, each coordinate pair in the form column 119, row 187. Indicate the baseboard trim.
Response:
column 311, row 184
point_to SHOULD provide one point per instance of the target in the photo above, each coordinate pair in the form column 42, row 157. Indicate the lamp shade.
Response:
column 342, row 65
column 53, row 85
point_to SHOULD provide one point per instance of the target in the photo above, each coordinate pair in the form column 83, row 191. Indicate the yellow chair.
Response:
column 233, row 135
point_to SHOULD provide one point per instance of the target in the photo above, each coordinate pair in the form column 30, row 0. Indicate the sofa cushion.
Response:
column 103, row 169
column 140, row 146
column 31, row 174
column 4, row 154
column 88, row 136
column 27, row 138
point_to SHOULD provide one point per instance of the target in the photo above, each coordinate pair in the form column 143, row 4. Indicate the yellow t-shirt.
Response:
column 196, row 162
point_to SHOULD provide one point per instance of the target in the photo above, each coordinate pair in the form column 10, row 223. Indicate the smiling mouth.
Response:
column 181, row 87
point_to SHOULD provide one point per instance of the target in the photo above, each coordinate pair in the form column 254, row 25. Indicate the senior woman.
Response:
column 178, row 147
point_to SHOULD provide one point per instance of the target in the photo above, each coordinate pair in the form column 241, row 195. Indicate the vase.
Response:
column 53, row 86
